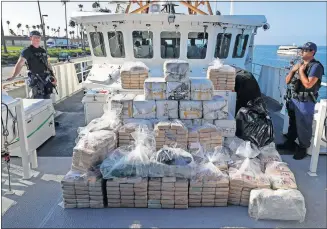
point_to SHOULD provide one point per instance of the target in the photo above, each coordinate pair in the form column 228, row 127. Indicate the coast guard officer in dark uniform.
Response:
column 41, row 79
column 304, row 80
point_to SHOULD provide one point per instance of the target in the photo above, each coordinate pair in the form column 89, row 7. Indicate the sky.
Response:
column 290, row 22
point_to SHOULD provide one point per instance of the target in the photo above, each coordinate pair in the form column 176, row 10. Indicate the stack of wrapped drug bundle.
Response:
column 125, row 103
column 190, row 109
column 176, row 76
column 169, row 171
column 245, row 174
column 222, row 76
column 171, row 133
column 126, row 171
column 209, row 136
column 215, row 109
column 155, row 88
column 68, row 189
column 280, row 175
column 92, row 149
column 133, row 75
column 209, row 185
column 127, row 192
column 144, row 109
column 268, row 154
column 167, row 109
column 95, row 189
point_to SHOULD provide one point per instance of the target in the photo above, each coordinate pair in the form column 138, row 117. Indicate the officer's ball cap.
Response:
column 35, row 33
column 309, row 46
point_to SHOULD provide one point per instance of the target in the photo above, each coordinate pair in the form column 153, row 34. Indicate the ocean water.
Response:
column 267, row 55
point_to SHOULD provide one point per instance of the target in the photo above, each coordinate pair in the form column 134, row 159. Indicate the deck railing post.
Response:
column 315, row 148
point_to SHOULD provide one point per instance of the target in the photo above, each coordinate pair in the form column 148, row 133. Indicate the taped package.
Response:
column 209, row 186
column 167, row 109
column 244, row 176
column 171, row 162
column 92, row 149
column 142, row 108
column 227, row 127
column 133, row 160
column 277, row 205
column 155, row 88
column 178, row 90
column 222, row 76
column 171, row 133
column 280, row 175
column 217, row 108
column 201, row 89
column 124, row 102
column 103, row 73
column 176, row 70
column 127, row 192
column 190, row 109
column 95, row 189
column 133, row 75
column 268, row 154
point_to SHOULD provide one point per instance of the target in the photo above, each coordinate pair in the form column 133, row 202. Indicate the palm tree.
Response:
column 8, row 23
column 64, row 2
column 96, row 5
column 12, row 32
column 18, row 27
column 3, row 39
column 48, row 28
column 80, row 6
column 73, row 32
column 28, row 28
column 58, row 31
column 34, row 27
column 38, row 27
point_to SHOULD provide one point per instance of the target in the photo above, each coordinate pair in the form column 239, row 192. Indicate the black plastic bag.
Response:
column 254, row 124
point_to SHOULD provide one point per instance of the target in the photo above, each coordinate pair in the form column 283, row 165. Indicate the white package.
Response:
column 176, row 70
column 103, row 73
column 277, row 204
column 178, row 90
column 201, row 89
column 143, row 108
column 227, row 127
column 124, row 101
column 190, row 109
column 155, row 88
column 167, row 109
column 134, row 67
column 217, row 108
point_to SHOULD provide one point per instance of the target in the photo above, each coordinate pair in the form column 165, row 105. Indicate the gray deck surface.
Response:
column 36, row 200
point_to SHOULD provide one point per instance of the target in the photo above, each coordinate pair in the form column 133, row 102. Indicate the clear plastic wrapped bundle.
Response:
column 113, row 158
column 135, row 159
column 247, row 150
column 171, row 162
column 155, row 88
column 123, row 102
column 92, row 148
column 201, row 89
column 235, row 142
column 280, row 175
column 277, row 205
column 110, row 120
column 268, row 154
column 209, row 136
column 227, row 126
column 217, row 108
column 125, row 132
column 133, row 75
column 222, row 76
column 176, row 70
column 139, row 121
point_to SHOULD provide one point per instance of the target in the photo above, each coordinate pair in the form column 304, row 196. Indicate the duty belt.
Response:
column 304, row 97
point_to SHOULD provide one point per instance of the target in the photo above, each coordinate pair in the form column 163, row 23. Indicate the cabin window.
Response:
column 197, row 45
column 97, row 43
column 143, row 44
column 222, row 45
column 170, row 44
column 116, row 44
column 240, row 45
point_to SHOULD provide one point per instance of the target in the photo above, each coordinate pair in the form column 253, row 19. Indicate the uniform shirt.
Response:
column 317, row 71
column 32, row 56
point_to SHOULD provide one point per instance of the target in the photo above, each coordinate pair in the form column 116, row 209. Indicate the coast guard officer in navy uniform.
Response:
column 304, row 80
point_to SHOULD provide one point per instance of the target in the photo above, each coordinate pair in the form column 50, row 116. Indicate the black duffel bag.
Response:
column 254, row 124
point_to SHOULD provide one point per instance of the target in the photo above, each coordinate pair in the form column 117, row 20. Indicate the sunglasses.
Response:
column 306, row 50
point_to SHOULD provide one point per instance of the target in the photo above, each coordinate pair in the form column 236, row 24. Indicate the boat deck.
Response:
column 36, row 202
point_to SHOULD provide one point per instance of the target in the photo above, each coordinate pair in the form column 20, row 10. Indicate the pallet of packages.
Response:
column 133, row 75
column 222, row 76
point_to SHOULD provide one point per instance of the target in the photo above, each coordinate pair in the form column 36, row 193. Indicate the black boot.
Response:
column 300, row 153
column 287, row 145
